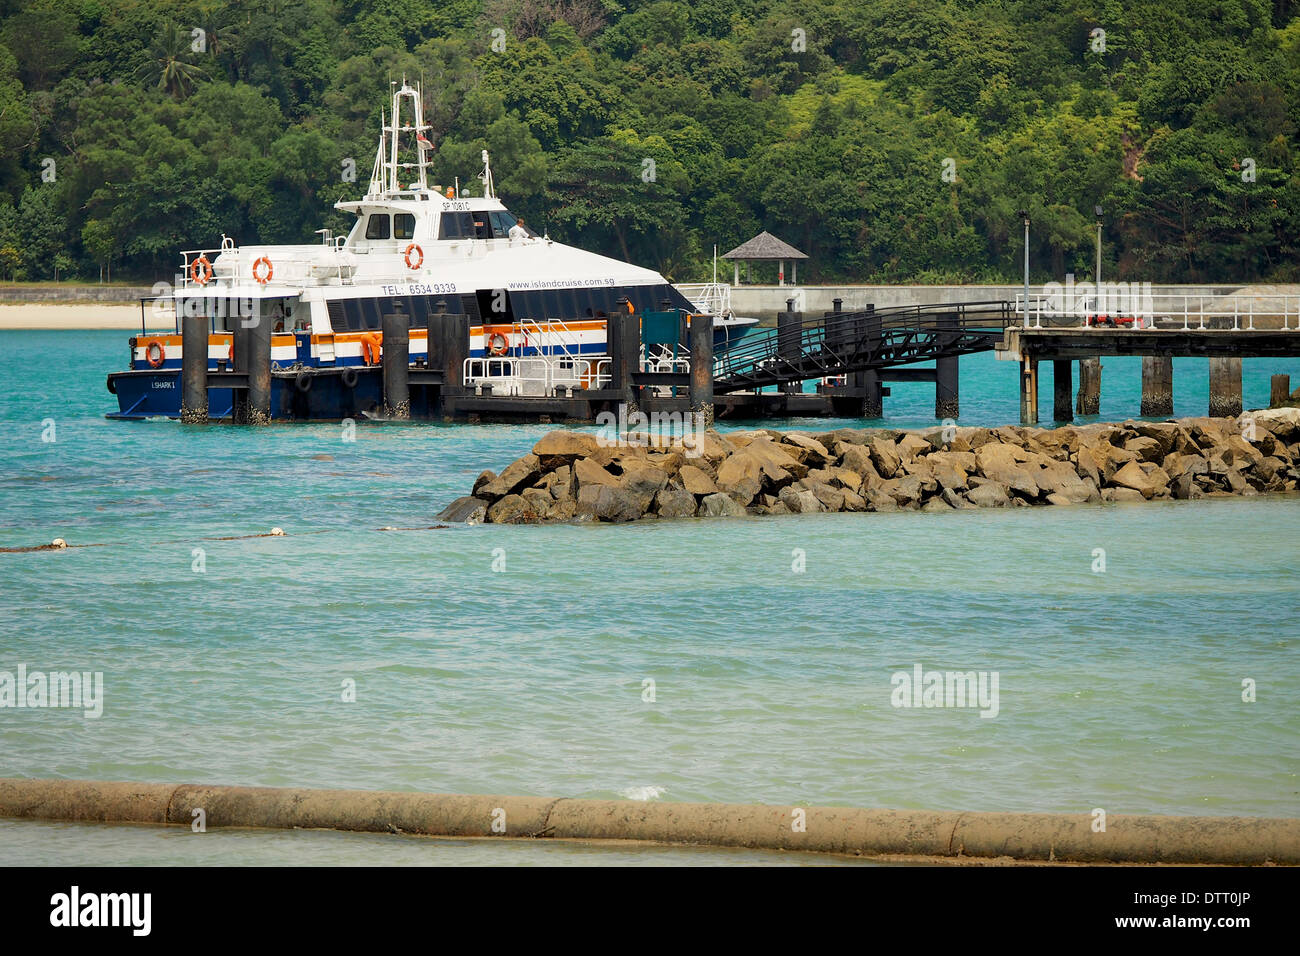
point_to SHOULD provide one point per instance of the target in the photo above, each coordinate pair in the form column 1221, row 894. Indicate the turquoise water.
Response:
column 1119, row 690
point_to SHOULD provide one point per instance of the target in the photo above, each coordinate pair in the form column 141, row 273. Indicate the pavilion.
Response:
column 766, row 247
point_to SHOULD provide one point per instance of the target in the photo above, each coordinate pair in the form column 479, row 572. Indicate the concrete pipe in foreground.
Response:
column 1035, row 837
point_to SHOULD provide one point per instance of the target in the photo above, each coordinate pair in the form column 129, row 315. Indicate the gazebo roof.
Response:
column 762, row 247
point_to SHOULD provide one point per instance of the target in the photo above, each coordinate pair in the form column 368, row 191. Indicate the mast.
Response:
column 392, row 174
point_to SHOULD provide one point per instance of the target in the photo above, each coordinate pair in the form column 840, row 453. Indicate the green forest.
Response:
column 890, row 140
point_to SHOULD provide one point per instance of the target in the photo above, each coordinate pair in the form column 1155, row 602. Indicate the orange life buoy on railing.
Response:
column 419, row 254
column 372, row 348
column 263, row 279
column 497, row 344
column 155, row 353
column 201, row 270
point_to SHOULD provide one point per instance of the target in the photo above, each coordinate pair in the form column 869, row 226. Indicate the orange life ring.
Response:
column 419, row 254
column 149, row 347
column 372, row 348
column 201, row 270
column 230, row 355
column 497, row 344
column 270, row 271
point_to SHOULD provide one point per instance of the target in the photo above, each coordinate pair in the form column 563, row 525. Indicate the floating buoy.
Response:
column 277, row 532
column 58, row 543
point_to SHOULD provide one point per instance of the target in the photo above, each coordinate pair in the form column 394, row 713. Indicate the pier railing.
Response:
column 1240, row 311
column 709, row 298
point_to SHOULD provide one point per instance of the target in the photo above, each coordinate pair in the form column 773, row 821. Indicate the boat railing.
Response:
column 709, row 298
column 537, row 375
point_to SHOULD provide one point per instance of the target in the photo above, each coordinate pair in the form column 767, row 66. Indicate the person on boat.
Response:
column 517, row 231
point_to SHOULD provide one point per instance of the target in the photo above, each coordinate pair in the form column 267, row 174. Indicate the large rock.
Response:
column 608, row 503
column 644, row 481
column 1007, row 464
column 989, row 494
column 810, row 444
column 517, row 475
column 563, row 448
column 588, row 472
column 1146, row 448
column 513, row 509
column 695, row 481
column 832, row 499
column 800, row 500
column 675, row 504
column 467, row 509
column 885, row 457
column 1133, row 477
column 720, row 506
column 912, row 446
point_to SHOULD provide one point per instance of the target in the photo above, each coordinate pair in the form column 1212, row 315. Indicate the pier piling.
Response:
column 1062, row 390
column 1157, row 386
column 873, row 400
column 789, row 327
column 1279, row 393
column 701, row 390
column 1225, row 387
column 1029, row 390
column 1089, row 386
column 194, row 369
column 623, row 339
column 946, row 376
column 258, row 411
column 396, row 358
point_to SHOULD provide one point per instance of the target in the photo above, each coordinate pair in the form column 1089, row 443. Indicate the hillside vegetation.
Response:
column 891, row 140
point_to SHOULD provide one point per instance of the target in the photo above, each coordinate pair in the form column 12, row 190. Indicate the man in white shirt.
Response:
column 517, row 231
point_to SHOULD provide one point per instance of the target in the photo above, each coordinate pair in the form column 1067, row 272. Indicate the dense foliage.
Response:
column 891, row 140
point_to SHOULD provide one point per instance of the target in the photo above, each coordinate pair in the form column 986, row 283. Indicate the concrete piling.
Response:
column 623, row 339
column 1029, row 390
column 1036, row 837
column 194, row 369
column 396, row 358
column 946, row 376
column 1089, row 386
column 789, row 328
column 1062, row 390
column 1225, row 387
column 259, row 372
column 701, row 390
column 873, row 400
column 1279, row 392
column 1157, row 386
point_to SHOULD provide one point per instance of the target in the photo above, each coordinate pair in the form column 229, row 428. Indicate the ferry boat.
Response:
column 536, row 307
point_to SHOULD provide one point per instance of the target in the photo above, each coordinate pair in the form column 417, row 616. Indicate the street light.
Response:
column 1024, row 214
column 1097, row 272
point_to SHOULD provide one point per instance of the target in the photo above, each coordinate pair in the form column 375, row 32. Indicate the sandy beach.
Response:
column 89, row 315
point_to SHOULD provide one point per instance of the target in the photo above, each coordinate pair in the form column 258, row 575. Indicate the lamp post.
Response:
column 1024, row 214
column 1097, row 271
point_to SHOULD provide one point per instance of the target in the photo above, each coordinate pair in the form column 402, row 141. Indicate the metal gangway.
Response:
column 847, row 342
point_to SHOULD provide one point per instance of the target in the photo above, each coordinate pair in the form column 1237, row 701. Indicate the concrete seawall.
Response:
column 1030, row 837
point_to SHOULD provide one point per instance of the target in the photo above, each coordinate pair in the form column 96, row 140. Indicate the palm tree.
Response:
column 168, row 61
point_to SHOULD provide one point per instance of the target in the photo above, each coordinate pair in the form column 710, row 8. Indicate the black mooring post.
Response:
column 241, row 335
column 873, row 398
column 946, row 403
column 259, row 371
column 396, row 358
column 1062, row 390
column 194, row 369
column 701, row 392
column 455, row 349
column 623, row 338
column 789, row 330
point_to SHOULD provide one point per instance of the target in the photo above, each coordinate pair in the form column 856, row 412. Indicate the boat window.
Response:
column 455, row 225
column 403, row 226
column 377, row 227
column 501, row 224
column 482, row 228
